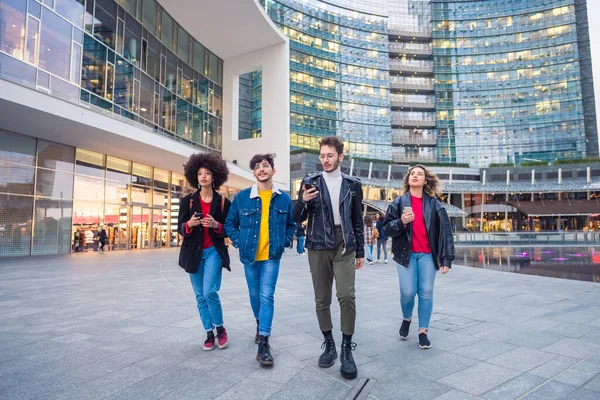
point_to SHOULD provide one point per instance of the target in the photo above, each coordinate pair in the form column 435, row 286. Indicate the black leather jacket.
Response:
column 320, row 232
column 437, row 224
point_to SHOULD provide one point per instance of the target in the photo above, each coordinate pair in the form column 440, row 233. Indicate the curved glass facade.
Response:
column 126, row 57
column 339, row 75
column 508, row 81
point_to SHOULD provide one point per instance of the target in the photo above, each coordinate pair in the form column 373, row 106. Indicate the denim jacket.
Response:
column 243, row 223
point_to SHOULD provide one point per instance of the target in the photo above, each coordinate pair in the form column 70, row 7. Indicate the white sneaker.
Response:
column 370, row 262
column 385, row 261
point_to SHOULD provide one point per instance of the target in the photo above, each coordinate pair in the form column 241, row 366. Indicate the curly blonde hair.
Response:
column 432, row 182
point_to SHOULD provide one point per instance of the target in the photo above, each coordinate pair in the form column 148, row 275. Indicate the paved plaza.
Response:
column 124, row 325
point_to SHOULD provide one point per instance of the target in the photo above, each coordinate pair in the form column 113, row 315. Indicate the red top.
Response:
column 206, row 240
column 420, row 242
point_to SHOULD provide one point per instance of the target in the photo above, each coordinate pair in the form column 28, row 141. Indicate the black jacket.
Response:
column 191, row 248
column 320, row 232
column 437, row 224
column 300, row 230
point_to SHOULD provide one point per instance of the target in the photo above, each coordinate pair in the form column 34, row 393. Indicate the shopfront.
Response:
column 55, row 198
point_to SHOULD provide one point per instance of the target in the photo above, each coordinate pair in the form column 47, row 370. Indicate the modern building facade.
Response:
column 441, row 81
column 102, row 102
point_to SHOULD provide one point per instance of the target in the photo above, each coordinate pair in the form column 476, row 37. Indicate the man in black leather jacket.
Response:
column 332, row 203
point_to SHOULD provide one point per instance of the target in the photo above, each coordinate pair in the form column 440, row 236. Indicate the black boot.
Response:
column 256, row 336
column 264, row 356
column 348, row 369
column 328, row 357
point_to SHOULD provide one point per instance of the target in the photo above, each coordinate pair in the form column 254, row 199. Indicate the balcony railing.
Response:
column 412, row 86
column 399, row 138
column 397, row 65
column 572, row 238
column 422, row 123
column 399, row 30
column 421, row 49
column 401, row 158
column 412, row 104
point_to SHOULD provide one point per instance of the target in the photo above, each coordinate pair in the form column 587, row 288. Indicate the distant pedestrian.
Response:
column 422, row 243
column 203, row 254
column 369, row 238
column 382, row 239
column 102, row 236
column 301, row 235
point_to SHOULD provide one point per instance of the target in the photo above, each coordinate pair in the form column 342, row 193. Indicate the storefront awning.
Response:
column 557, row 208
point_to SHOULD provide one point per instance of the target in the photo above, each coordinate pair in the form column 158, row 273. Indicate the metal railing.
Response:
column 413, row 122
column 495, row 239
column 411, row 48
column 399, row 30
column 398, row 138
column 396, row 65
column 399, row 157
column 411, row 86
column 412, row 104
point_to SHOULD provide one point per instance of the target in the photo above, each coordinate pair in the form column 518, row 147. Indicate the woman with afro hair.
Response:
column 203, row 253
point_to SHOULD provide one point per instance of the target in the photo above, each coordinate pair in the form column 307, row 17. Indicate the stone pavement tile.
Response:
column 29, row 349
column 236, row 369
column 583, row 394
column 449, row 341
column 276, row 374
column 479, row 378
column 456, row 395
column 192, row 322
column 16, row 365
column 575, row 348
column 571, row 330
column 441, row 365
column 411, row 387
column 593, row 384
column 501, row 334
column 201, row 386
column 484, row 349
column 554, row 367
column 552, row 391
column 137, row 329
column 251, row 389
column 155, row 335
column 295, row 339
column 522, row 359
column 579, row 374
column 72, row 338
column 514, row 388
column 537, row 324
column 535, row 340
column 308, row 384
column 158, row 385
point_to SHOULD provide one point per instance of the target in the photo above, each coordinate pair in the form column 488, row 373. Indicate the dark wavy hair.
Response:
column 334, row 142
column 258, row 158
column 211, row 161
column 432, row 183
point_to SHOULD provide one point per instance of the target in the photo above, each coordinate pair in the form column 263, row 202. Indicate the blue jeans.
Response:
column 206, row 282
column 261, row 279
column 300, row 246
column 369, row 252
column 417, row 279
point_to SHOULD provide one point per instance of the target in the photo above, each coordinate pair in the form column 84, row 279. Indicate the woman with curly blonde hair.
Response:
column 422, row 244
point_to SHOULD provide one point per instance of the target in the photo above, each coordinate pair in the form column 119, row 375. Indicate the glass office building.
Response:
column 127, row 57
column 513, row 81
column 339, row 75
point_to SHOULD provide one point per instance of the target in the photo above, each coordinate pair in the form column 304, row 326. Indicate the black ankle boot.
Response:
column 348, row 369
column 256, row 336
column 264, row 356
column 328, row 357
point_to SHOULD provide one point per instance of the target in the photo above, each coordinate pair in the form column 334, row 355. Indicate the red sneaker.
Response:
column 222, row 339
column 209, row 344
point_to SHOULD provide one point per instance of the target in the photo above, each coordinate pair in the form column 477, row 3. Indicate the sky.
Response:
column 594, row 20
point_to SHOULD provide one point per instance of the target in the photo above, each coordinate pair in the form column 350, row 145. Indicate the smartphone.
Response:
column 309, row 186
column 198, row 215
column 407, row 210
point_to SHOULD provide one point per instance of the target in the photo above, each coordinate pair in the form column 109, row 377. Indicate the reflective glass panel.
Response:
column 52, row 228
column 149, row 15
column 105, row 22
column 72, row 10
column 141, row 195
column 17, row 148
column 16, row 178
column 147, row 98
column 133, row 40
column 142, row 174
column 118, row 169
column 55, row 156
column 55, row 45
column 54, row 184
column 15, row 225
column 117, row 192
column 12, row 30
column 87, row 188
column 33, row 37
column 123, row 84
column 161, row 179
column 87, row 217
column 116, row 222
column 90, row 163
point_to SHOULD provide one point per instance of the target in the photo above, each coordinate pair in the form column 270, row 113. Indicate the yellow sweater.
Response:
column 262, row 252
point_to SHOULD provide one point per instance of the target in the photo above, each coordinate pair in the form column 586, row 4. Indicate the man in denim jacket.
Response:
column 260, row 222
